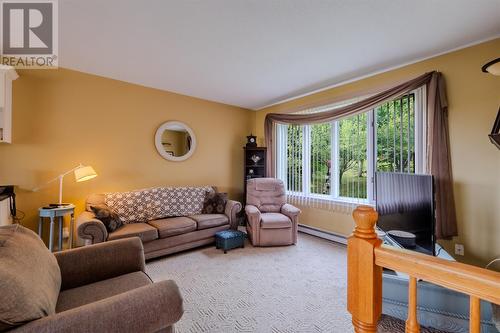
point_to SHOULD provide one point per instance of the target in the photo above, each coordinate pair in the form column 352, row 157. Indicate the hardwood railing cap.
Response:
column 365, row 218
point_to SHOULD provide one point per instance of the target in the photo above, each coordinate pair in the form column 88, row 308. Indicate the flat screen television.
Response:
column 405, row 202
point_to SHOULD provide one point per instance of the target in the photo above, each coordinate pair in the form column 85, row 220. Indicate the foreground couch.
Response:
column 166, row 219
column 98, row 288
column 271, row 221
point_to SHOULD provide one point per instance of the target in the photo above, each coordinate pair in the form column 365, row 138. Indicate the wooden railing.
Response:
column 366, row 256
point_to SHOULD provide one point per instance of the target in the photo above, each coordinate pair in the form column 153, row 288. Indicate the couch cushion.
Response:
column 206, row 221
column 30, row 277
column 144, row 231
column 182, row 242
column 274, row 221
column 72, row 298
column 173, row 226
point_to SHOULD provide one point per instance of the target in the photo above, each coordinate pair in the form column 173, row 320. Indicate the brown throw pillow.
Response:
column 214, row 203
column 110, row 219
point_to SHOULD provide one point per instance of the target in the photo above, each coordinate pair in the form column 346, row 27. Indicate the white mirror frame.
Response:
column 161, row 150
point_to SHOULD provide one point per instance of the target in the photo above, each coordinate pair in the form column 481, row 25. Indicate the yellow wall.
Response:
column 63, row 117
column 474, row 98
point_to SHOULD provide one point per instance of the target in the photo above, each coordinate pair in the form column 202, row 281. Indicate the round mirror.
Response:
column 175, row 141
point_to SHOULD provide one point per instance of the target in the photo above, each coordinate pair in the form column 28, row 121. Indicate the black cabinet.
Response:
column 254, row 165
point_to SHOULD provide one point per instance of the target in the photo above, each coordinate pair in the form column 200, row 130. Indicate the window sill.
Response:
column 329, row 200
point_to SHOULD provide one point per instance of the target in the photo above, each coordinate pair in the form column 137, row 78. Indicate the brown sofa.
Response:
column 271, row 221
column 97, row 288
column 172, row 217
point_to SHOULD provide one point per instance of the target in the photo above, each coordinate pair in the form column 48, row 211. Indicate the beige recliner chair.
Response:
column 271, row 221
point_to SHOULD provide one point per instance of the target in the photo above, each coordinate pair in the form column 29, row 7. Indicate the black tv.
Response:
column 405, row 202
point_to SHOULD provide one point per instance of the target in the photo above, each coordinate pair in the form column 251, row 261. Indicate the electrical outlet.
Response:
column 459, row 249
column 65, row 232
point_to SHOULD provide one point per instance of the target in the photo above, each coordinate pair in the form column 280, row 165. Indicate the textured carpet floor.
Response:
column 299, row 288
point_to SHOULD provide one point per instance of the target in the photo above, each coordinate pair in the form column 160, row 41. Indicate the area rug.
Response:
column 290, row 289
column 389, row 325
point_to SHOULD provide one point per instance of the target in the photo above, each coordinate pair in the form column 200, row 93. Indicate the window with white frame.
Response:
column 337, row 160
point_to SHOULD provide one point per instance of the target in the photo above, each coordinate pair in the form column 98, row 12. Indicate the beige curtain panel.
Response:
column 438, row 150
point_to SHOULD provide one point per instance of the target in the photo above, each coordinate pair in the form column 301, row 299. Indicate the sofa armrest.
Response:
column 149, row 308
column 101, row 261
column 232, row 208
column 88, row 227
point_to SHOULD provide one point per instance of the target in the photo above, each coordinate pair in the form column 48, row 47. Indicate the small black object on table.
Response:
column 229, row 239
column 404, row 238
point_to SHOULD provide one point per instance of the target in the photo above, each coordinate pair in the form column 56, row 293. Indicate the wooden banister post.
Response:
column 475, row 315
column 364, row 278
column 412, row 325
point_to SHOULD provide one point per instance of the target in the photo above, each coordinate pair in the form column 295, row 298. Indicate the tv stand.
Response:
column 438, row 249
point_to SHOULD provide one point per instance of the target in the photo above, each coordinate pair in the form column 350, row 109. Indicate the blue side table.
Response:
column 52, row 214
column 229, row 239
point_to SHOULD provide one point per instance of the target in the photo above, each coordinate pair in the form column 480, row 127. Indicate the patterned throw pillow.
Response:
column 110, row 219
column 214, row 203
column 179, row 201
column 156, row 203
column 133, row 206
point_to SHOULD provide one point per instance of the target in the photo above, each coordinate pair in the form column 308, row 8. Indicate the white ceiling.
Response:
column 253, row 53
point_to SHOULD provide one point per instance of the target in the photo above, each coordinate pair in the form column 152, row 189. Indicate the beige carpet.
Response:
column 299, row 288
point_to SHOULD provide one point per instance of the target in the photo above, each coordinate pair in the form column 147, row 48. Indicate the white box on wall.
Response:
column 7, row 75
column 5, row 216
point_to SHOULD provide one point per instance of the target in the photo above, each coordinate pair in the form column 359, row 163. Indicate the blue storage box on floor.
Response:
column 229, row 239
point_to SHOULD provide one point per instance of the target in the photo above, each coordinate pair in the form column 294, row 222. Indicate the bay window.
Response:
column 337, row 160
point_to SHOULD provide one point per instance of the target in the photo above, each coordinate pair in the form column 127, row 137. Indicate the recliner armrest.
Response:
column 253, row 226
column 149, row 308
column 232, row 208
column 293, row 214
column 101, row 261
column 289, row 210
column 253, row 213
column 89, row 227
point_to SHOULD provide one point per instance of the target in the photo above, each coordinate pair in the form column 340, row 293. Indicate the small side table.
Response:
column 52, row 214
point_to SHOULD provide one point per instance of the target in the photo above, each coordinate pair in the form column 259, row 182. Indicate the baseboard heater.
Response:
column 323, row 234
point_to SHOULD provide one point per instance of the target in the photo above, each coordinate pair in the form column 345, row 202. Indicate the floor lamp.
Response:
column 82, row 173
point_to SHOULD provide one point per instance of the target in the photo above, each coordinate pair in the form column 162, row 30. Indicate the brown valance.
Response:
column 438, row 150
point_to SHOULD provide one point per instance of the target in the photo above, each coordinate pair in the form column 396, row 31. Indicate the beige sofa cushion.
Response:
column 173, row 226
column 30, row 278
column 206, row 221
column 274, row 221
column 144, row 231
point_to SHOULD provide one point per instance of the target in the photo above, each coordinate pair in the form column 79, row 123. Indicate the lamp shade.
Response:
column 84, row 173
column 492, row 67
